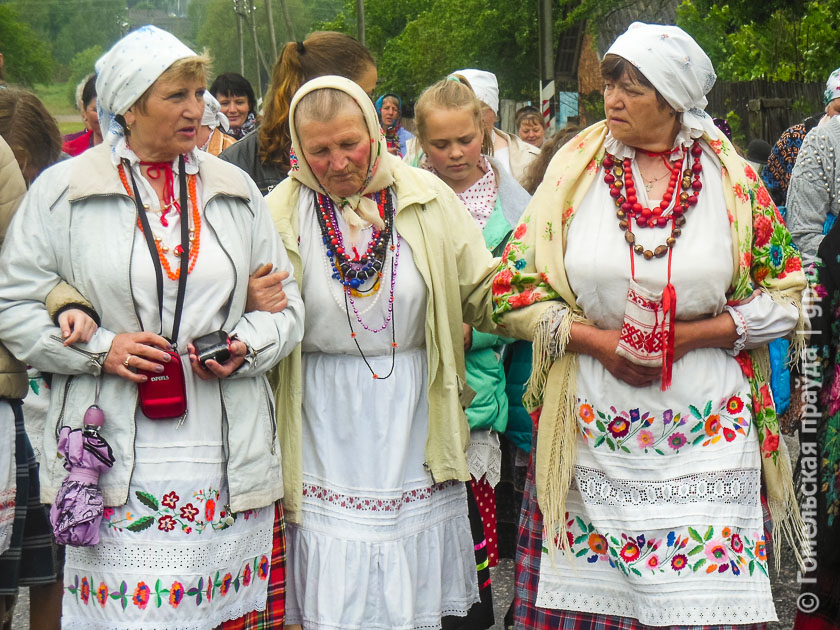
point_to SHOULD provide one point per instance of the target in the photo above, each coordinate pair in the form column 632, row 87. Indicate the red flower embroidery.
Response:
column 629, row 552
column 501, row 283
column 763, row 197
column 763, row 231
column 209, row 509
column 750, row 173
column 246, row 575
column 170, row 500
column 766, row 396
column 745, row 361
column 226, row 581
column 166, row 523
column 523, row 299
column 505, row 253
column 141, row 595
column 84, row 590
column 102, row 594
column 176, row 594
column 794, row 263
column 746, row 259
column 189, row 512
column 734, row 405
column 262, row 568
column 521, row 229
column 771, row 444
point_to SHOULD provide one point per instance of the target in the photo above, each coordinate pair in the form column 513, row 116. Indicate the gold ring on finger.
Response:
column 127, row 362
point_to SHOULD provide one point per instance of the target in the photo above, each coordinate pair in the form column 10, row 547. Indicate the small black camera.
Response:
column 214, row 345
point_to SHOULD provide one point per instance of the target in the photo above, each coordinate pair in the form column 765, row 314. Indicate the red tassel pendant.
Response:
column 669, row 309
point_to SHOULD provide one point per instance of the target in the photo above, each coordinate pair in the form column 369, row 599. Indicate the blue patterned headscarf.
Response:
column 128, row 69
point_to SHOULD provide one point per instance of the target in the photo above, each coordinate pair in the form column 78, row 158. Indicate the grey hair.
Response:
column 323, row 105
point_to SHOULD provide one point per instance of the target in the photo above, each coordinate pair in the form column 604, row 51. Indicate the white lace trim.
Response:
column 739, row 610
column 121, row 555
column 235, row 612
column 422, row 622
column 737, row 486
column 484, row 456
column 740, row 328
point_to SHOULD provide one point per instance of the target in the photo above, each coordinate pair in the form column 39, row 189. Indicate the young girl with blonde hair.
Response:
column 458, row 148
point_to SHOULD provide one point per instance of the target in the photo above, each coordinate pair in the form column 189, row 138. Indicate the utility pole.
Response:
column 269, row 14
column 547, row 89
column 287, row 18
column 238, row 10
column 360, row 21
column 252, row 9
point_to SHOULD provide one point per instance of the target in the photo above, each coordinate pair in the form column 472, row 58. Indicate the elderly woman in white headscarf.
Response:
column 651, row 268
column 212, row 136
column 389, row 262
column 161, row 238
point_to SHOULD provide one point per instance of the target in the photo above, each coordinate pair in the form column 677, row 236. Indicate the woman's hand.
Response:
column 137, row 351
column 76, row 325
column 709, row 332
column 467, row 337
column 214, row 369
column 601, row 345
column 265, row 290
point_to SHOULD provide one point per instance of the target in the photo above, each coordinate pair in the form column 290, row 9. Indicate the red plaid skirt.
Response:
column 528, row 554
column 274, row 615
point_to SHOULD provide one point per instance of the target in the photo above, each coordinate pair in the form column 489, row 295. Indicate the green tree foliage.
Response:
column 70, row 27
column 779, row 40
column 27, row 58
column 215, row 30
column 418, row 42
column 81, row 66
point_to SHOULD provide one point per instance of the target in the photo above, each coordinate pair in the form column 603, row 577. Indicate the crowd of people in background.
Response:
column 352, row 351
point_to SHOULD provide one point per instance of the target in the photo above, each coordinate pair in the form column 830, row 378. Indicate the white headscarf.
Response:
column 677, row 67
column 213, row 116
column 127, row 70
column 484, row 84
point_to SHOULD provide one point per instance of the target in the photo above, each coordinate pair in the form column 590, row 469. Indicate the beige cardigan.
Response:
column 457, row 270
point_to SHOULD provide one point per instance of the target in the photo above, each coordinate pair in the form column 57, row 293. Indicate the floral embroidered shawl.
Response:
column 532, row 273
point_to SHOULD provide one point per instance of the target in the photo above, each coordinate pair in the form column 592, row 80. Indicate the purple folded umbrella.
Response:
column 77, row 511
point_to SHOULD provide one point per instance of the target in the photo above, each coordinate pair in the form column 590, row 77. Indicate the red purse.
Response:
column 164, row 394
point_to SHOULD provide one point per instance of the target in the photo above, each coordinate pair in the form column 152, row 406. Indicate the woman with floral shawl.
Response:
column 651, row 268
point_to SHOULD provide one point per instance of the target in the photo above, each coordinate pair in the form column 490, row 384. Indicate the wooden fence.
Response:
column 763, row 108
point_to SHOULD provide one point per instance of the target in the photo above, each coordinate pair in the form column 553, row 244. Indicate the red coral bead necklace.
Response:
column 619, row 175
